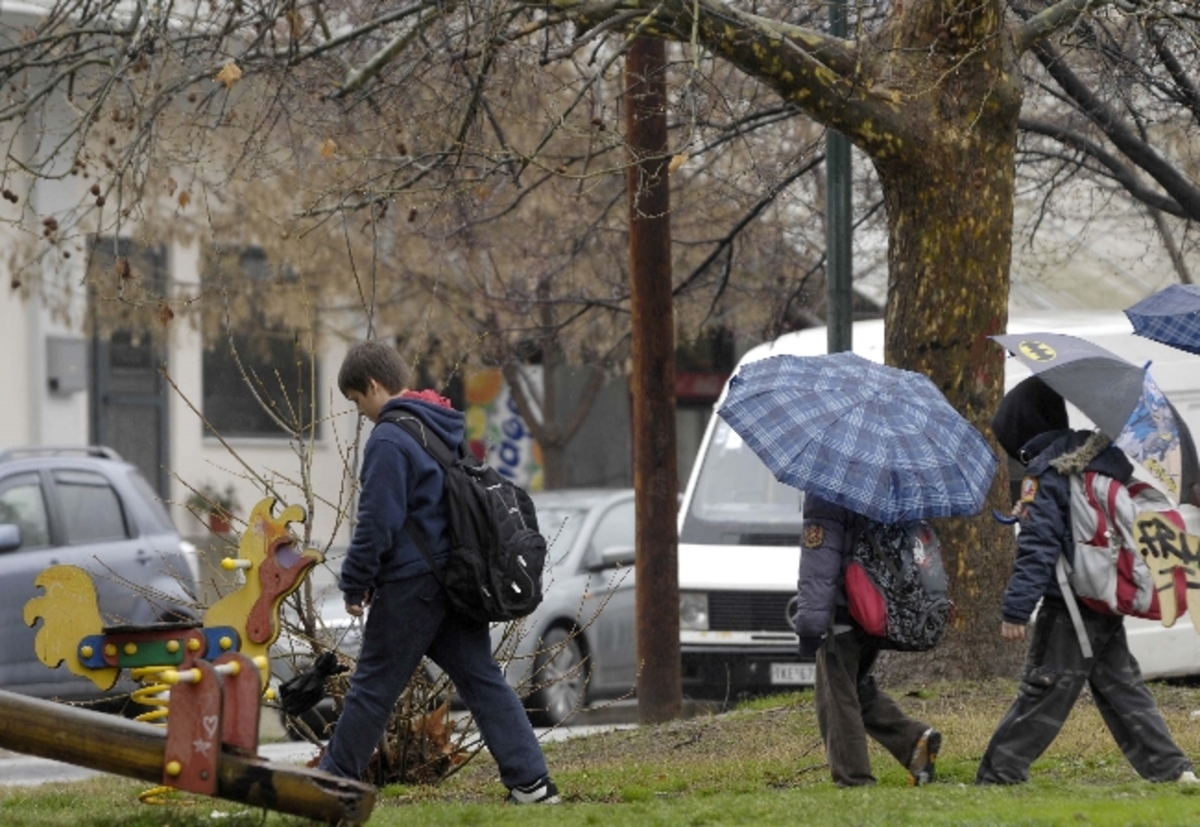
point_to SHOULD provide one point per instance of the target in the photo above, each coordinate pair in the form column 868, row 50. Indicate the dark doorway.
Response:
column 128, row 393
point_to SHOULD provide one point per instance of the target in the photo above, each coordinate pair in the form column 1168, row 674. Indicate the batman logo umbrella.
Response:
column 1120, row 398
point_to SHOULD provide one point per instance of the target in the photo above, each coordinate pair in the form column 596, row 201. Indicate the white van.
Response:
column 739, row 529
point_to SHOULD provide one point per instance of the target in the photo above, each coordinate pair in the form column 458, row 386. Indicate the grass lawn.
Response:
column 761, row 764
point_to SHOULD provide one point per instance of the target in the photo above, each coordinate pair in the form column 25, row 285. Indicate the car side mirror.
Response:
column 10, row 537
column 615, row 556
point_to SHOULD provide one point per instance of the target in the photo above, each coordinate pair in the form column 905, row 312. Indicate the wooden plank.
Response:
column 133, row 749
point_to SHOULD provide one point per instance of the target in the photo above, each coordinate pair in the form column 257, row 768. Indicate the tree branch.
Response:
column 1038, row 27
column 1185, row 193
column 1123, row 174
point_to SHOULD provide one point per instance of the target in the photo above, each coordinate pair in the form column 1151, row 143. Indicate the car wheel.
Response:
column 561, row 677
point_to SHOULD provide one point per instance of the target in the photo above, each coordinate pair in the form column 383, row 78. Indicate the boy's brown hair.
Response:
column 373, row 360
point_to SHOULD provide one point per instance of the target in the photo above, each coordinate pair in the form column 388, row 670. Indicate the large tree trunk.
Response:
column 932, row 97
column 950, row 212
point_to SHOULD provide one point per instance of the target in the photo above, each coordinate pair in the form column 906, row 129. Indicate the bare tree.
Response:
column 1115, row 108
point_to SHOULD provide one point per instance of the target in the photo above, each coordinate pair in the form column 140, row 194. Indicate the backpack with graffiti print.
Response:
column 497, row 553
column 1107, row 573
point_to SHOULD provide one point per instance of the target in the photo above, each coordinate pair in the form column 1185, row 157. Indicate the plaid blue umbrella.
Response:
column 1170, row 316
column 880, row 441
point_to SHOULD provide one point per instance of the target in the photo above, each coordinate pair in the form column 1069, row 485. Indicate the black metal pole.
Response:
column 839, row 268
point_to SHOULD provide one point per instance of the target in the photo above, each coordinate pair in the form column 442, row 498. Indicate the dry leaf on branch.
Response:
column 171, row 185
column 124, row 271
column 329, row 148
column 165, row 314
column 677, row 161
column 229, row 75
column 185, row 198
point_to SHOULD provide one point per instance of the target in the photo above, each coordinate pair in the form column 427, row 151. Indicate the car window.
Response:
column 560, row 527
column 616, row 528
column 91, row 509
column 23, row 505
column 162, row 521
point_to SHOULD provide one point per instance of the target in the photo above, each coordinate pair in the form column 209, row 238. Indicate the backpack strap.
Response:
column 1072, row 607
column 431, row 442
column 445, row 458
column 1060, row 566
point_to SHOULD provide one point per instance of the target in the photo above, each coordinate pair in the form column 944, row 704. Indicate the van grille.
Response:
column 770, row 540
column 748, row 611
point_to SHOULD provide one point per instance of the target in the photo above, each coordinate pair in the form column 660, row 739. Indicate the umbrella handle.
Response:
column 1006, row 519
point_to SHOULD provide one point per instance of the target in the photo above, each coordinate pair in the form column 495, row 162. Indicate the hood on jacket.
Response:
column 1073, row 452
column 448, row 424
column 1029, row 409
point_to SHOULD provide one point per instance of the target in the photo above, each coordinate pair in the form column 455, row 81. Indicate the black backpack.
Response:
column 497, row 554
column 896, row 585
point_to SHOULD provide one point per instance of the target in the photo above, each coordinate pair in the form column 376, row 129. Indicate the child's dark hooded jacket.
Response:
column 1045, row 512
column 1031, row 425
column 399, row 478
column 828, row 536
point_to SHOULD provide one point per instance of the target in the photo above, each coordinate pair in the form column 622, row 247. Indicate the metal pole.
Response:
column 655, row 475
column 839, row 218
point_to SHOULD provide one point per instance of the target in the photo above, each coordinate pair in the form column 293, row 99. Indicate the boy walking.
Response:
column 409, row 616
column 1031, row 425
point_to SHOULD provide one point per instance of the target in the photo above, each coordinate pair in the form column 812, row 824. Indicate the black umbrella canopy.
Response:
column 1101, row 384
column 1104, row 386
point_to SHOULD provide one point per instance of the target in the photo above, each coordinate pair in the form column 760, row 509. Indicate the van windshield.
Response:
column 737, row 501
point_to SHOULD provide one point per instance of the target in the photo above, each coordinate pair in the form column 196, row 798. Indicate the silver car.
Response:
column 578, row 646
column 84, row 507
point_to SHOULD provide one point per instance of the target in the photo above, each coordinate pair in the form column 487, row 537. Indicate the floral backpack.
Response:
column 896, row 585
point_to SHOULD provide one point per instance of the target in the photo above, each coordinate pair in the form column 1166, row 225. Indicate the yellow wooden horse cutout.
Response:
column 246, row 620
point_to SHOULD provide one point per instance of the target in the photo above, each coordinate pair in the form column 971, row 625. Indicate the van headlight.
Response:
column 693, row 611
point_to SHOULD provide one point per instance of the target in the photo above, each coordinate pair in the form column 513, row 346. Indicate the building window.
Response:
column 258, row 372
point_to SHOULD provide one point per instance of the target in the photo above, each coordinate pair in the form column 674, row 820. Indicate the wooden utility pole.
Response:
column 655, row 474
column 136, row 750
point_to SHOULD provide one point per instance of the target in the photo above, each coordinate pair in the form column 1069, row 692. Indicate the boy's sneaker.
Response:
column 1187, row 777
column 539, row 792
column 924, row 756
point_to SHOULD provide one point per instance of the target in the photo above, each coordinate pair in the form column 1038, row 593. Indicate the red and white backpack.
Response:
column 1108, row 574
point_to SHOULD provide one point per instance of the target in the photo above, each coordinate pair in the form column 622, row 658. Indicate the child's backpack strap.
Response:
column 1068, row 596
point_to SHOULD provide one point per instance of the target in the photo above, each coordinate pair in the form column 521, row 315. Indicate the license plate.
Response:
column 793, row 674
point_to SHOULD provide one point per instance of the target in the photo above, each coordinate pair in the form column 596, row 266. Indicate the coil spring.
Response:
column 152, row 693
column 156, row 695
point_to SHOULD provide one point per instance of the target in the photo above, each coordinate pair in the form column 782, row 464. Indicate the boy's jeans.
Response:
column 408, row 619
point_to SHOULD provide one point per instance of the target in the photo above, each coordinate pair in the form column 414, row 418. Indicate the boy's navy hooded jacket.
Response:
column 399, row 479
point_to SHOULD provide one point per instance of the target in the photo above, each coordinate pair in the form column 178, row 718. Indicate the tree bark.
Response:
column 950, row 207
